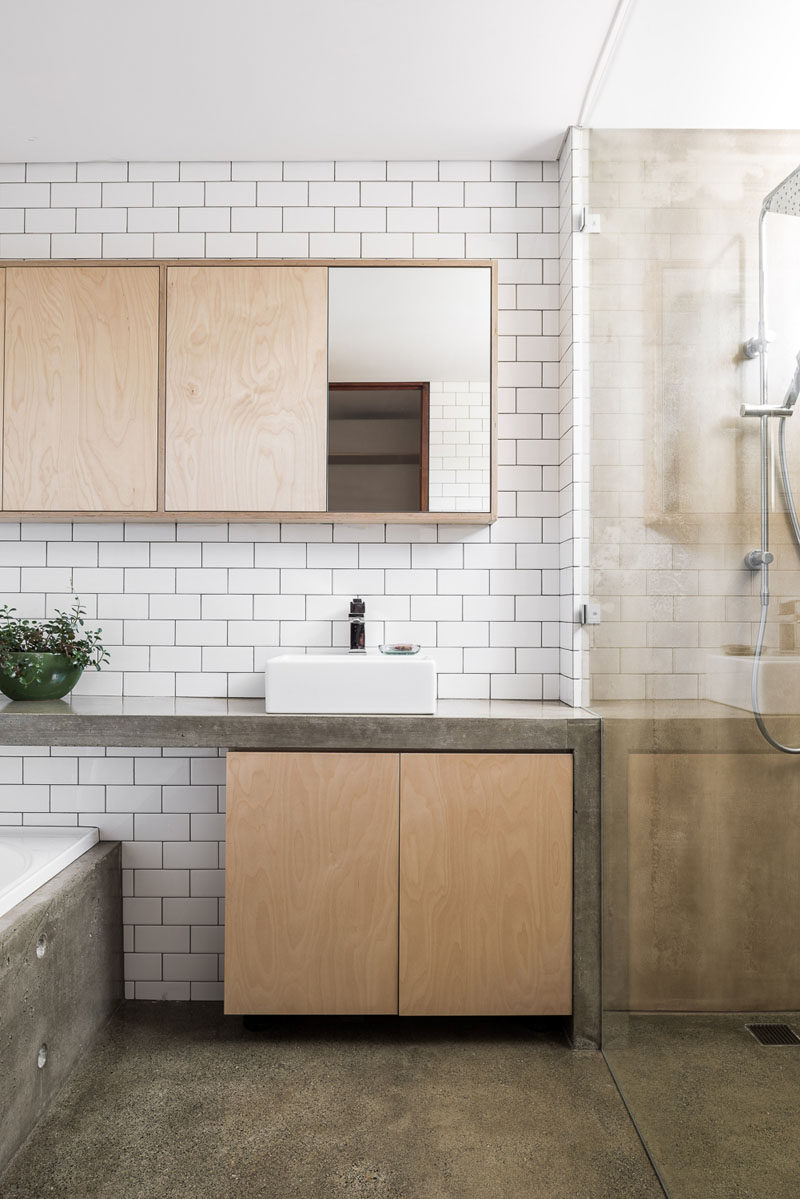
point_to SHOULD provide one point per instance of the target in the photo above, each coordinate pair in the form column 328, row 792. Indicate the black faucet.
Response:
column 357, row 627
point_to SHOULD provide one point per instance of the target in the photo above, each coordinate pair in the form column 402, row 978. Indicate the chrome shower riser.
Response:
column 785, row 198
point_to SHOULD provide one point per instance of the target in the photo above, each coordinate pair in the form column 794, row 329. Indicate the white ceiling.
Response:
column 297, row 79
column 361, row 79
column 704, row 64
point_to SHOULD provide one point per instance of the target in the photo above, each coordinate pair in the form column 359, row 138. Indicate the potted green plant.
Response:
column 43, row 659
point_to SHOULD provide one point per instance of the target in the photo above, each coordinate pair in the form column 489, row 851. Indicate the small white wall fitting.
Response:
column 587, row 222
column 591, row 614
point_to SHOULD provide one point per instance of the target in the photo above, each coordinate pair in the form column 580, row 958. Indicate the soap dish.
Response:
column 400, row 647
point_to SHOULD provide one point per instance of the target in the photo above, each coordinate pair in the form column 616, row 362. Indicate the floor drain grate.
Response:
column 773, row 1034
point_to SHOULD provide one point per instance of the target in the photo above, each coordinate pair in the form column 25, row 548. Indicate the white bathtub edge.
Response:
column 81, row 840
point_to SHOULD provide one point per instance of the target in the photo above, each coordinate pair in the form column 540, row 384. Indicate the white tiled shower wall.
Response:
column 195, row 609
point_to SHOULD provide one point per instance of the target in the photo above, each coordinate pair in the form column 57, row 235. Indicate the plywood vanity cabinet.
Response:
column 80, row 395
column 424, row 884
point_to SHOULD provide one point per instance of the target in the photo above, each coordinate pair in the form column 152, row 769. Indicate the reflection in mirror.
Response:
column 409, row 372
column 378, row 447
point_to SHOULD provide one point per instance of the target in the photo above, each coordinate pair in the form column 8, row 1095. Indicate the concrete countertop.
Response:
column 243, row 724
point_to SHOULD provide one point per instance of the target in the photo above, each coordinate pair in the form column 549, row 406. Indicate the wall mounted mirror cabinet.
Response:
column 201, row 390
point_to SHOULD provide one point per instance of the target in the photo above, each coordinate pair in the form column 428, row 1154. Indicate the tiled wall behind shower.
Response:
column 675, row 472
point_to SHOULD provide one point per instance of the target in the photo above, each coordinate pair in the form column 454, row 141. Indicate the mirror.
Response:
column 409, row 389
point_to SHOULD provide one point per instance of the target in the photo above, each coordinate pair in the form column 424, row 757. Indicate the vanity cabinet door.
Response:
column 311, row 883
column 485, row 884
column 246, row 389
column 80, row 421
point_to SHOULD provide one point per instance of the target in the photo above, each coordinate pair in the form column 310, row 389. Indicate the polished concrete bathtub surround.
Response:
column 61, row 995
column 175, row 1099
column 166, row 804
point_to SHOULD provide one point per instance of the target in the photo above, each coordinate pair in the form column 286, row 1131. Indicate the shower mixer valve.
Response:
column 757, row 345
column 758, row 558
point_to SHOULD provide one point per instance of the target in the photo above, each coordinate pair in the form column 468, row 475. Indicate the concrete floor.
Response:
column 175, row 1100
column 719, row 1113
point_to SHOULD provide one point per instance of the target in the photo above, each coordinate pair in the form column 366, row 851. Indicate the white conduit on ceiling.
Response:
column 604, row 59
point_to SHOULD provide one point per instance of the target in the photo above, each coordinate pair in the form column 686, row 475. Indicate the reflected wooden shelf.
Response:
column 376, row 414
column 373, row 459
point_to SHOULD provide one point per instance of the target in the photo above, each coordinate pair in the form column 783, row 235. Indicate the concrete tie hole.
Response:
column 41, row 946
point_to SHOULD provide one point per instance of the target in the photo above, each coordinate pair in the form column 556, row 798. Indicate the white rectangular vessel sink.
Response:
column 357, row 683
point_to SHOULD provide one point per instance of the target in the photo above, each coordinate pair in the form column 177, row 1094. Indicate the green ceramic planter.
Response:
column 46, row 676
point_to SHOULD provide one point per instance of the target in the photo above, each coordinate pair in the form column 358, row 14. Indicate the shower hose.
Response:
column 762, row 626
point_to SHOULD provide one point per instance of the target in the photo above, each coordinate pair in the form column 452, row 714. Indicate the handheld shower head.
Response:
column 783, row 409
column 793, row 390
column 785, row 198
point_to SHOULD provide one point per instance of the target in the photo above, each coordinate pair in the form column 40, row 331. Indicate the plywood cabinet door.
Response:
column 246, row 389
column 311, row 883
column 485, row 884
column 80, row 426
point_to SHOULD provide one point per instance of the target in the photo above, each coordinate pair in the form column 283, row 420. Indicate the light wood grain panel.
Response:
column 311, row 883
column 713, row 873
column 485, row 884
column 246, row 389
column 80, row 412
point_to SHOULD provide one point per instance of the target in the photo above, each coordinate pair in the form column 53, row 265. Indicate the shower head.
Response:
column 793, row 390
column 785, row 198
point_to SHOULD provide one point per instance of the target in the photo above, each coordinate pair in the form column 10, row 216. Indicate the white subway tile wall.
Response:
column 574, row 412
column 197, row 609
column 167, row 807
column 155, row 588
